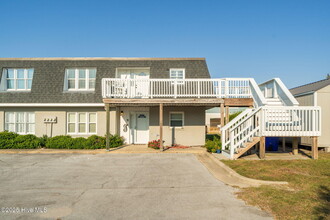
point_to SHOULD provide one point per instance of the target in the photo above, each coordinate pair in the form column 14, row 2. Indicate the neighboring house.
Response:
column 316, row 94
column 212, row 118
column 63, row 96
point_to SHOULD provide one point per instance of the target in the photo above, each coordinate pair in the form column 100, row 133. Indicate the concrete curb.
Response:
column 229, row 176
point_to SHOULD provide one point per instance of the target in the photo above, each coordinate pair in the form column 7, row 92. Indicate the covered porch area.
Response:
column 171, row 121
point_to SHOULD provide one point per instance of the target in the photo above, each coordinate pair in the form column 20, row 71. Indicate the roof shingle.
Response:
column 311, row 87
column 48, row 78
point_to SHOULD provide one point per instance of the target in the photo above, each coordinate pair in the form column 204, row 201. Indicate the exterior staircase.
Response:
column 274, row 102
column 246, row 146
column 275, row 114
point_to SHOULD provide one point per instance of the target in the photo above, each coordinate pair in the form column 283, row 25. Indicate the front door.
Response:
column 141, row 133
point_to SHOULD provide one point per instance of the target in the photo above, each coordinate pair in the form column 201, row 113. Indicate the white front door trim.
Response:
column 140, row 127
column 128, row 124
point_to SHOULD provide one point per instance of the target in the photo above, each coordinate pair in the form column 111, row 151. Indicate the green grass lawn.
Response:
column 306, row 197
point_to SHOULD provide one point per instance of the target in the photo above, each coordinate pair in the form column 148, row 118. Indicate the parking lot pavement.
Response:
column 116, row 186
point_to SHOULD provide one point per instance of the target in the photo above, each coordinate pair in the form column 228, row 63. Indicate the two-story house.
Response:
column 63, row 96
column 144, row 99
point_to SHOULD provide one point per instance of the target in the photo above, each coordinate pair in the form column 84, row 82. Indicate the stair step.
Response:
column 248, row 145
column 274, row 102
column 272, row 99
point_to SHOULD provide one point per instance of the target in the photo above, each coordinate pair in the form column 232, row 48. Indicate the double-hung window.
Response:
column 177, row 74
column 16, row 79
column 81, row 123
column 20, row 122
column 77, row 79
column 176, row 119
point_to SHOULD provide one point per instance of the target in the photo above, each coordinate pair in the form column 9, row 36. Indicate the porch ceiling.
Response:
column 211, row 102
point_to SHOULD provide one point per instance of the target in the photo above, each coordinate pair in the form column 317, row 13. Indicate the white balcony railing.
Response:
column 174, row 88
column 291, row 121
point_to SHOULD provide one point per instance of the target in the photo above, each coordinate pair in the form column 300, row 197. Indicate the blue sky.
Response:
column 262, row 39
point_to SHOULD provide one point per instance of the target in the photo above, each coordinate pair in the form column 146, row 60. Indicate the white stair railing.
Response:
column 257, row 95
column 243, row 132
column 225, row 129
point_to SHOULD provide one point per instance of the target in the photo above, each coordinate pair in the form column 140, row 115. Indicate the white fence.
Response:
column 176, row 88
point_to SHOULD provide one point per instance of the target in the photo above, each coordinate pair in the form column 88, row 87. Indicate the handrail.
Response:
column 247, row 118
column 286, row 91
column 225, row 129
column 236, row 119
column 246, row 129
column 258, row 97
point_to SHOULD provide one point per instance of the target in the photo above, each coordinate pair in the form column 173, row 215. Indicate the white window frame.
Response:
column 169, row 121
column 180, row 81
column 76, row 78
column 15, row 79
column 87, row 123
column 26, row 124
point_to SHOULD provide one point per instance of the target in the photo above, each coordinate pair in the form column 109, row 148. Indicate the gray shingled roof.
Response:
column 48, row 78
column 311, row 87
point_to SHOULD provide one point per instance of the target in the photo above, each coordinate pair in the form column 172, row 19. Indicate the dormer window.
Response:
column 16, row 79
column 80, row 79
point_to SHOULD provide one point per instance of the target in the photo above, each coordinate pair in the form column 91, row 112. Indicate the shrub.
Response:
column 79, row 143
column 95, row 142
column 212, row 136
column 92, row 142
column 213, row 145
column 234, row 115
column 11, row 140
column 155, row 144
column 43, row 140
column 60, row 142
column 7, row 139
column 28, row 141
column 116, row 141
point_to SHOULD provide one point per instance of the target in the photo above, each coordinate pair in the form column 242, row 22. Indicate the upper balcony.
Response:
column 176, row 88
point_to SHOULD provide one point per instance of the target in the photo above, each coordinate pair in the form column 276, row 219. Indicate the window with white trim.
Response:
column 177, row 73
column 176, row 119
column 81, row 123
column 20, row 122
column 77, row 79
column 16, row 79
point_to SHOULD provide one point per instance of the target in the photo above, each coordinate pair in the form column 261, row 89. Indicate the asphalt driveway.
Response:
column 117, row 186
